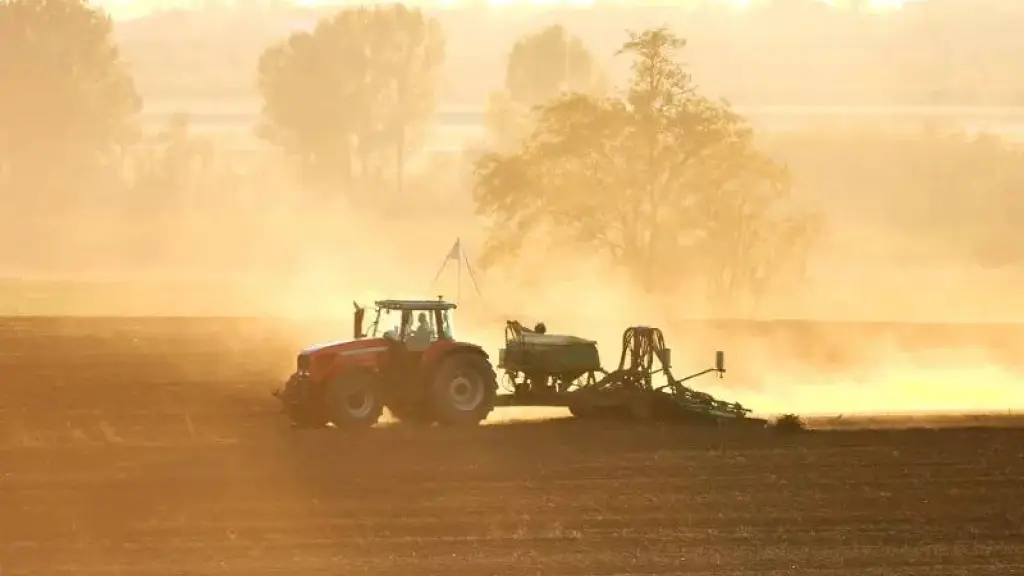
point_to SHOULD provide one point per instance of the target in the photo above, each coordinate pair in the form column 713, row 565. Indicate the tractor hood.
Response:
column 323, row 346
column 341, row 346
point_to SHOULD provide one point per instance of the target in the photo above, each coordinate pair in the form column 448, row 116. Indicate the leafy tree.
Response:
column 174, row 164
column 506, row 122
column 658, row 178
column 546, row 63
column 940, row 196
column 359, row 88
column 540, row 66
column 66, row 97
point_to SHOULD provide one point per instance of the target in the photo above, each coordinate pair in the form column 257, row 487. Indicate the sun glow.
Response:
column 134, row 8
column 875, row 5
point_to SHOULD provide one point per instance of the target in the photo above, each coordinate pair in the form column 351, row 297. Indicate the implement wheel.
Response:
column 581, row 410
column 463, row 390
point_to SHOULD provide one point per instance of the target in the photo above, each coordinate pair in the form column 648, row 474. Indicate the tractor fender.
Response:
column 430, row 364
column 439, row 353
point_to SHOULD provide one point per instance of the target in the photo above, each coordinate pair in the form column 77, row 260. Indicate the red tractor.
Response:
column 408, row 361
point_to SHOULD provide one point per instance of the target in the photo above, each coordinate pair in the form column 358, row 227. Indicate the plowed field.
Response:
column 153, row 447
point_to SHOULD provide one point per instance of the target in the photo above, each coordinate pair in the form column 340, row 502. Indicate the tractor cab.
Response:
column 415, row 323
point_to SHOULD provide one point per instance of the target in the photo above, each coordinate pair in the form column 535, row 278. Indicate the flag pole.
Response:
column 438, row 275
column 469, row 269
column 455, row 253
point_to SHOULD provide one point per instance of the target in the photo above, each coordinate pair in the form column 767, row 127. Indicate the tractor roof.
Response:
column 414, row 305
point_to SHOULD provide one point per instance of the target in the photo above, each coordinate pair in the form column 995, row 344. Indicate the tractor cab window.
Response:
column 446, row 328
column 388, row 323
column 420, row 330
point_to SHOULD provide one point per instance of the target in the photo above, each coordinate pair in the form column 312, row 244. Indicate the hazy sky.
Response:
column 134, row 8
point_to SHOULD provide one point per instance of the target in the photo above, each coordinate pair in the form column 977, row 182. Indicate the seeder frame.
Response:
column 627, row 391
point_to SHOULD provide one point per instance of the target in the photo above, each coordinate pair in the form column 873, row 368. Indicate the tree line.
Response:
column 928, row 53
column 666, row 183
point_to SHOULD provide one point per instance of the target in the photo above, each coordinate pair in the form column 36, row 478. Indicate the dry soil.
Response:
column 153, row 447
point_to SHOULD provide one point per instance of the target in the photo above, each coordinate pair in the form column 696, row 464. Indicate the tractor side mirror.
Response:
column 720, row 362
column 357, row 323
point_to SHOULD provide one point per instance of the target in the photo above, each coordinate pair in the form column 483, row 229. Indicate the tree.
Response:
column 665, row 182
column 173, row 167
column 67, row 99
column 540, row 66
column 546, row 63
column 359, row 87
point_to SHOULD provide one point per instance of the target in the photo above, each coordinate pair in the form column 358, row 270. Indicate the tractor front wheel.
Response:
column 463, row 390
column 354, row 400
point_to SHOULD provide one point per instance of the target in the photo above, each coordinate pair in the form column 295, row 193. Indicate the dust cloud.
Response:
column 859, row 359
column 311, row 265
column 263, row 246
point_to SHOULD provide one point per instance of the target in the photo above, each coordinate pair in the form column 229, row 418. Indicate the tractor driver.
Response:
column 423, row 334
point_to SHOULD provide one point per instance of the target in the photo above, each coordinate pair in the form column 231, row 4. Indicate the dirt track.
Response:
column 152, row 447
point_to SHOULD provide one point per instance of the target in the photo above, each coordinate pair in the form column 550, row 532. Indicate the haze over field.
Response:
column 915, row 224
column 780, row 53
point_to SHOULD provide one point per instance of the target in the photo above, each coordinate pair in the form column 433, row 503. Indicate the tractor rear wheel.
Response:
column 354, row 400
column 464, row 389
